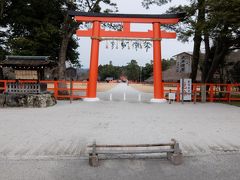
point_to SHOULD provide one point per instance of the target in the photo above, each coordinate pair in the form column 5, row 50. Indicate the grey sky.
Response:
column 170, row 47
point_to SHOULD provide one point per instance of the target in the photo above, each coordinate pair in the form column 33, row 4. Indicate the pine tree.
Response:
column 215, row 21
column 43, row 28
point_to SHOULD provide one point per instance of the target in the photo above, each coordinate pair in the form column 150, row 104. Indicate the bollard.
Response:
column 139, row 97
column 169, row 99
column 110, row 97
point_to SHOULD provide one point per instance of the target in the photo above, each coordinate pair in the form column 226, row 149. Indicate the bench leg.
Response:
column 175, row 158
column 93, row 160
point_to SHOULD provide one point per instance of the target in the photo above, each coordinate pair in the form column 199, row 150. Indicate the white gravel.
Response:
column 65, row 129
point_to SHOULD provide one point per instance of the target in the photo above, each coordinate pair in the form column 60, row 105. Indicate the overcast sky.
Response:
column 170, row 47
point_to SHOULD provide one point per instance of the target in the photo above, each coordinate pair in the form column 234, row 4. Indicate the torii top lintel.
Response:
column 133, row 18
column 126, row 19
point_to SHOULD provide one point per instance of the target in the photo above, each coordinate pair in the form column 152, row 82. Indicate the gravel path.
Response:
column 66, row 129
column 50, row 143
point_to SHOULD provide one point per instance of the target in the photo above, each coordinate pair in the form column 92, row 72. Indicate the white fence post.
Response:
column 110, row 97
column 139, row 97
column 124, row 96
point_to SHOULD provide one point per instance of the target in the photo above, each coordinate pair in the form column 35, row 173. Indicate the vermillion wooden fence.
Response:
column 78, row 89
column 214, row 92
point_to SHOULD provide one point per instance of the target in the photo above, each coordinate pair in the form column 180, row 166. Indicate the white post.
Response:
column 182, row 83
column 124, row 96
column 110, row 97
column 139, row 97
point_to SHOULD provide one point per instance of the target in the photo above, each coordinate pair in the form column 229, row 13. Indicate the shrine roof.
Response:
column 27, row 61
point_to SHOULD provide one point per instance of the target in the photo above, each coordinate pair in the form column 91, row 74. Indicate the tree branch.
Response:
column 1, row 9
column 95, row 5
column 89, row 6
column 234, row 48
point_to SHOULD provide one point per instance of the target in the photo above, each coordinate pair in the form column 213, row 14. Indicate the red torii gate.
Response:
column 97, row 34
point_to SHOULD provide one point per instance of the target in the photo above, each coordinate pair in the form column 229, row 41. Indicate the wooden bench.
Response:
column 172, row 150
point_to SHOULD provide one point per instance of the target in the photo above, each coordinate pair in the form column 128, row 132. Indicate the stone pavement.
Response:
column 210, row 167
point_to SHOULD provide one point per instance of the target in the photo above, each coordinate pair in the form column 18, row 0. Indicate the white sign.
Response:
column 187, row 89
column 171, row 96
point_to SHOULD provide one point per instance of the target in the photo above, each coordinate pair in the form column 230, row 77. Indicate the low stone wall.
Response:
column 27, row 100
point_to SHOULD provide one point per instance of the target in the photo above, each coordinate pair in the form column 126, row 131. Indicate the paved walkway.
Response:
column 216, row 167
column 131, row 94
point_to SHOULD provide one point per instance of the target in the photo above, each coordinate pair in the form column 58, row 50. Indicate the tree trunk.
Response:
column 206, row 63
column 1, row 8
column 196, row 55
column 62, row 58
column 198, row 39
column 1, row 73
column 64, row 46
column 62, row 61
column 219, row 55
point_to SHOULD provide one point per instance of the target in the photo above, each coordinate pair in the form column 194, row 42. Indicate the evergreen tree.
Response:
column 222, row 27
column 147, row 71
column 34, row 27
column 214, row 21
column 133, row 71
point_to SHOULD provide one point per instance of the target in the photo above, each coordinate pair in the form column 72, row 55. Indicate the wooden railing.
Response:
column 61, row 89
column 22, row 88
column 214, row 92
column 78, row 89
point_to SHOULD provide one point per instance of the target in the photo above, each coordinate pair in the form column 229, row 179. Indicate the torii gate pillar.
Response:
column 93, row 71
column 157, row 65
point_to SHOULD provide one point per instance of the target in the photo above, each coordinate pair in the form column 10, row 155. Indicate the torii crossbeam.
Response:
column 97, row 34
